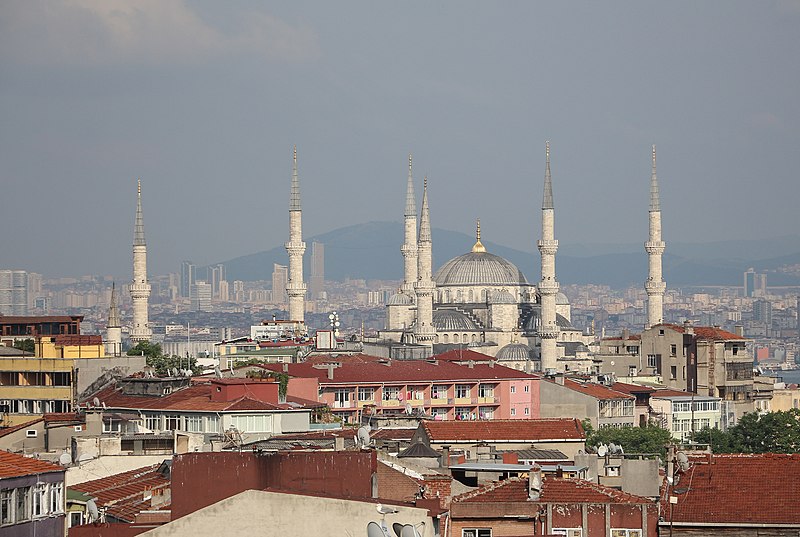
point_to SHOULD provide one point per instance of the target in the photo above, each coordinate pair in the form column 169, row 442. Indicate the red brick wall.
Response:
column 395, row 485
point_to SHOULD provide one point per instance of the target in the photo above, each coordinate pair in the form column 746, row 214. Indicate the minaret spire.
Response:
column 409, row 248
column 548, row 286
column 655, row 285
column 113, row 328
column 295, row 247
column 140, row 288
column 424, row 330
column 478, row 247
column 411, row 206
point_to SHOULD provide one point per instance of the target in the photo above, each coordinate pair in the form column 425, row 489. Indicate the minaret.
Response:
column 113, row 329
column 409, row 248
column 295, row 287
column 548, row 286
column 424, row 331
column 655, row 285
column 140, row 289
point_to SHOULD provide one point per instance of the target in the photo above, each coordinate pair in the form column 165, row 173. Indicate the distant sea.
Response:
column 789, row 377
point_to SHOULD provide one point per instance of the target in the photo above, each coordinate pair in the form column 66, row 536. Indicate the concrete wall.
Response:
column 89, row 370
column 19, row 442
column 558, row 401
column 271, row 513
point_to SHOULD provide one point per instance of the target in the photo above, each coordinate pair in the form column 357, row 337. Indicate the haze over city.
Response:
column 204, row 101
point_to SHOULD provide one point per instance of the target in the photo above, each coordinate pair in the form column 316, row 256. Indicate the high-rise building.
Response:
column 216, row 274
column 224, row 291
column 13, row 292
column 188, row 277
column 238, row 291
column 280, row 275
column 201, row 296
column 762, row 311
column 317, row 284
column 755, row 284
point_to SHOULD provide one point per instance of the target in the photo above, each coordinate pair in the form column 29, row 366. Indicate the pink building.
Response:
column 444, row 389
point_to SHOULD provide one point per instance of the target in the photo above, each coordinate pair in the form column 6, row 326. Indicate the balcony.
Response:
column 488, row 400
column 464, row 401
column 437, row 401
column 390, row 403
column 342, row 404
column 366, row 402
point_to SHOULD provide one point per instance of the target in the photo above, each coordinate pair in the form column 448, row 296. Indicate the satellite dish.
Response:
column 408, row 531
column 104, row 404
column 409, row 409
column 91, row 507
column 374, row 530
column 602, row 450
column 683, row 461
column 64, row 459
column 96, row 401
column 363, row 436
column 612, row 448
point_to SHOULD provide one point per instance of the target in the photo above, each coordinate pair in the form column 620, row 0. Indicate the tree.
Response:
column 773, row 432
column 162, row 363
column 649, row 439
column 27, row 345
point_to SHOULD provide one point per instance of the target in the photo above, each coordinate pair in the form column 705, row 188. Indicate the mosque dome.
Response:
column 534, row 322
column 516, row 352
column 502, row 297
column 561, row 299
column 479, row 268
column 400, row 299
column 449, row 320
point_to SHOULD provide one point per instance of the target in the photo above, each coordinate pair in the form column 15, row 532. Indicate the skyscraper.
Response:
column 188, row 277
column 317, row 284
column 201, row 296
column 280, row 275
column 140, row 288
column 13, row 292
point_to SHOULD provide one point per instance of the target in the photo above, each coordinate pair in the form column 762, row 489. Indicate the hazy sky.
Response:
column 204, row 100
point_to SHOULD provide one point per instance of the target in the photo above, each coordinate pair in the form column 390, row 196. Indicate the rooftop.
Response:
column 598, row 391
column 554, row 490
column 534, row 430
column 13, row 465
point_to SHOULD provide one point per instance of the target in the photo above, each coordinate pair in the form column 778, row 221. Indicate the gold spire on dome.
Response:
column 478, row 248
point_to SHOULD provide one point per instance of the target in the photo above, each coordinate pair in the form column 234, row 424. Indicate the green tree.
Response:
column 649, row 439
column 162, row 363
column 27, row 345
column 773, row 432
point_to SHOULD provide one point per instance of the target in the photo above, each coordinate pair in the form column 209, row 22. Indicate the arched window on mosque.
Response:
column 445, row 339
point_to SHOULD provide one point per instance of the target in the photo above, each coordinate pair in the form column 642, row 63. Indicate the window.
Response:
column 391, row 393
column 438, row 391
column 56, row 497
column 513, row 389
column 153, row 422
column 366, row 394
column 631, row 370
column 173, row 423
column 75, row 518
column 673, row 350
column 527, row 411
column 30, row 433
column 194, row 424
column 253, row 423
column 625, row 533
column 527, row 388
column 111, row 425
column 673, row 372
column 341, row 398
column 485, row 390
column 568, row 532
column 6, row 506
column 39, row 503
column 462, row 390
column 212, row 424
column 21, row 507
column 476, row 532
column 651, row 360
column 464, row 413
column 513, row 411
column 439, row 414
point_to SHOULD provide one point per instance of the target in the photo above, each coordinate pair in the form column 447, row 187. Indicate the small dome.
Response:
column 479, row 268
column 447, row 320
column 534, row 322
column 514, row 352
column 502, row 297
column 400, row 299
column 561, row 299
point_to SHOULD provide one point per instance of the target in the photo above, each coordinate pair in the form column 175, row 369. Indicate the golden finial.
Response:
column 478, row 248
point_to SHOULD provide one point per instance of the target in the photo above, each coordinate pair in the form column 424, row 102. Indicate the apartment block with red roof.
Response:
column 551, row 505
column 601, row 405
column 564, row 434
column 444, row 389
column 31, row 497
column 736, row 494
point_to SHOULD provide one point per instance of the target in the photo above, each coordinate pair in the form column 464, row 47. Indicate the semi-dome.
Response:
column 400, row 299
column 502, row 297
column 449, row 320
column 561, row 299
column 479, row 268
column 515, row 352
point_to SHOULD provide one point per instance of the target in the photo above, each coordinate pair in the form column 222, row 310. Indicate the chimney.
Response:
column 687, row 327
column 445, row 457
column 510, row 457
column 491, row 363
column 560, row 380
column 535, row 483
column 330, row 371
column 471, row 364
column 738, row 330
column 559, row 472
column 285, row 367
column 625, row 334
column 338, row 443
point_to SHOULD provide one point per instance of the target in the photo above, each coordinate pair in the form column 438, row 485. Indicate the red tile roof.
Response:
column 534, row 430
column 124, row 494
column 463, row 355
column 705, row 332
column 598, row 391
column 749, row 489
column 674, row 393
column 64, row 417
column 631, row 388
column 13, row 465
column 554, row 490
column 394, row 433
column 193, row 398
column 400, row 371
column 5, row 431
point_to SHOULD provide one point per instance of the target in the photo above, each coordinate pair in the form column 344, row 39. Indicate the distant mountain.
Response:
column 372, row 251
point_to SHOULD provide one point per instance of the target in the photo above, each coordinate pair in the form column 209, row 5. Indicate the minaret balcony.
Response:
column 547, row 247
column 548, row 287
column 654, row 247
column 654, row 287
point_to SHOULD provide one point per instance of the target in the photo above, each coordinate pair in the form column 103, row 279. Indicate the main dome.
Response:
column 479, row 268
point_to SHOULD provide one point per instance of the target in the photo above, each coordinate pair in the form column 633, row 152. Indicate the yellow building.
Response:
column 785, row 398
column 44, row 382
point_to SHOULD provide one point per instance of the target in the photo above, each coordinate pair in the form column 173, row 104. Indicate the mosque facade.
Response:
column 485, row 302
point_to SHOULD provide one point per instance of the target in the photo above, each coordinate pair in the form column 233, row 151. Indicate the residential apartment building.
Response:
column 684, row 413
column 31, row 497
column 601, row 405
column 444, row 390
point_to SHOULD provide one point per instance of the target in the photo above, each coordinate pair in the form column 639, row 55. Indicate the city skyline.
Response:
column 209, row 128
